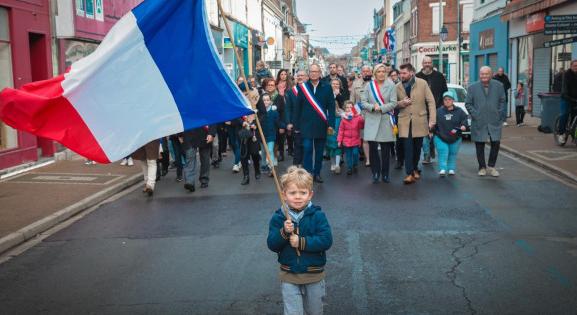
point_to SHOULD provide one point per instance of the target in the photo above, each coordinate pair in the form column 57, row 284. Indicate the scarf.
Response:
column 408, row 85
column 296, row 216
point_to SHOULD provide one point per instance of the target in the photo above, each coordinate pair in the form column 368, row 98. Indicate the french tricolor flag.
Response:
column 156, row 73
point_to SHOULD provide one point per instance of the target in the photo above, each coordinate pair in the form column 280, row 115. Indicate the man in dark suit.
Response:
column 314, row 122
column 291, row 104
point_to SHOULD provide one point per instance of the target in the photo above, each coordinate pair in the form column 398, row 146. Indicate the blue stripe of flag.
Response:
column 178, row 38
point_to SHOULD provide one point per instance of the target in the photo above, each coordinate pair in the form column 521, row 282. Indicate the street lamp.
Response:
column 443, row 34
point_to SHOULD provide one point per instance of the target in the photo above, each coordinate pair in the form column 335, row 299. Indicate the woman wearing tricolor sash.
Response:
column 379, row 100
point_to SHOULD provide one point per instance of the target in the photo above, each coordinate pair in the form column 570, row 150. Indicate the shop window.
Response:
column 8, row 136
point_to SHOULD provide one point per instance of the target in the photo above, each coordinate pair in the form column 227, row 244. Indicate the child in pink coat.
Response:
column 349, row 136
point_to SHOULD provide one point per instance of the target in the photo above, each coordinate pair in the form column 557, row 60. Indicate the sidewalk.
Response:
column 34, row 201
column 527, row 143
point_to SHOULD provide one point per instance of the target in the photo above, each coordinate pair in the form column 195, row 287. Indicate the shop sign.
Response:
column 560, row 24
column 240, row 35
column 274, row 64
column 434, row 49
column 487, row 39
column 560, row 42
column 227, row 43
column 535, row 22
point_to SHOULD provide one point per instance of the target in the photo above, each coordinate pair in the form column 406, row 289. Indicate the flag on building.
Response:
column 156, row 73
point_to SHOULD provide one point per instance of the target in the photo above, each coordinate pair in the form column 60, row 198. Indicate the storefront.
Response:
column 241, row 40
column 25, row 56
column 489, row 38
column 533, row 62
column 449, row 58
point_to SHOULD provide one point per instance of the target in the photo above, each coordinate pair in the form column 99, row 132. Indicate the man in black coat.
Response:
column 307, row 119
column 193, row 141
column 333, row 74
column 438, row 85
column 502, row 77
column 292, row 99
column 568, row 99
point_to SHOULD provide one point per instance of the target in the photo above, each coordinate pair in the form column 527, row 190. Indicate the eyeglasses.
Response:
column 274, row 85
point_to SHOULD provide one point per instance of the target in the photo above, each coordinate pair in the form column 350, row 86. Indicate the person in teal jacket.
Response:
column 301, row 242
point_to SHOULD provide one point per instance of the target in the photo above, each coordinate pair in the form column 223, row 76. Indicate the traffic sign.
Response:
column 559, row 42
column 560, row 24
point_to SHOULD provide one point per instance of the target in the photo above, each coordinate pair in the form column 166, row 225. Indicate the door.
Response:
column 38, row 46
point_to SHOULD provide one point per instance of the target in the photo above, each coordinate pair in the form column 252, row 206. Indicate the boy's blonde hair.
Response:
column 298, row 176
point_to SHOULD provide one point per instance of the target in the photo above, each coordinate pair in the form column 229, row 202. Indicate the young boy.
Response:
column 300, row 242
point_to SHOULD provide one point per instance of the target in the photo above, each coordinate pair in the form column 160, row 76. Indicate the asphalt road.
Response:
column 462, row 245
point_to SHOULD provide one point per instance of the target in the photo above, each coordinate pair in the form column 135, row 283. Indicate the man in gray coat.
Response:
column 486, row 104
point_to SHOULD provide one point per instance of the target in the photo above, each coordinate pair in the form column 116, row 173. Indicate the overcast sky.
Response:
column 337, row 18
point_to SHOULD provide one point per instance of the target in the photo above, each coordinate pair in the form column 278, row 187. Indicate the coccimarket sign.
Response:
column 433, row 49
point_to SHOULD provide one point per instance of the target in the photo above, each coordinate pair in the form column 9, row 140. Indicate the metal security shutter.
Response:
column 541, row 74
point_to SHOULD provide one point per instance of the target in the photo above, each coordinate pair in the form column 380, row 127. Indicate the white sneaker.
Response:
column 124, row 162
column 493, row 172
column 442, row 173
column 505, row 124
column 482, row 172
column 130, row 162
column 235, row 168
column 333, row 168
column 451, row 172
column 561, row 139
column 337, row 169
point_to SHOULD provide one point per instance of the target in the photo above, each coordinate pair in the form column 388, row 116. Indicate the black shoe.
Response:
column 399, row 165
column 327, row 158
column 245, row 180
column 164, row 172
column 386, row 179
column 375, row 178
column 189, row 187
column 203, row 185
column 179, row 179
column 318, row 179
column 257, row 175
column 349, row 172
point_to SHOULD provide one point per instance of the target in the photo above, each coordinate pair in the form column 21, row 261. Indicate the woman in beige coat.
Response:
column 378, row 101
column 415, row 101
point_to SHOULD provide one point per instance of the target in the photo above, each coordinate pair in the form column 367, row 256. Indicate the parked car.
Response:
column 461, row 94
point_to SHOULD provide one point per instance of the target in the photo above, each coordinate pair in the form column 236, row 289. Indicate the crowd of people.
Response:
column 380, row 116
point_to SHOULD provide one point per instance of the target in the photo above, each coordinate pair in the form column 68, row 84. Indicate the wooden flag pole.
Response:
column 263, row 139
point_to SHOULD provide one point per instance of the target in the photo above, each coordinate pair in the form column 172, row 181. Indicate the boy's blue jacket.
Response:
column 315, row 238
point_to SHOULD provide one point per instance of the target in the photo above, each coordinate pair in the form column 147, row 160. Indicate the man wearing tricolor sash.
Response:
column 314, row 116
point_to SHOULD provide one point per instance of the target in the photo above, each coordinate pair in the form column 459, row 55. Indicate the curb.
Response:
column 535, row 161
column 24, row 234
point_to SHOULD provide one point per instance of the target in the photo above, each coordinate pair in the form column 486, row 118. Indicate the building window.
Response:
column 414, row 23
column 435, row 16
column 8, row 136
column 467, row 16
column 80, row 8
